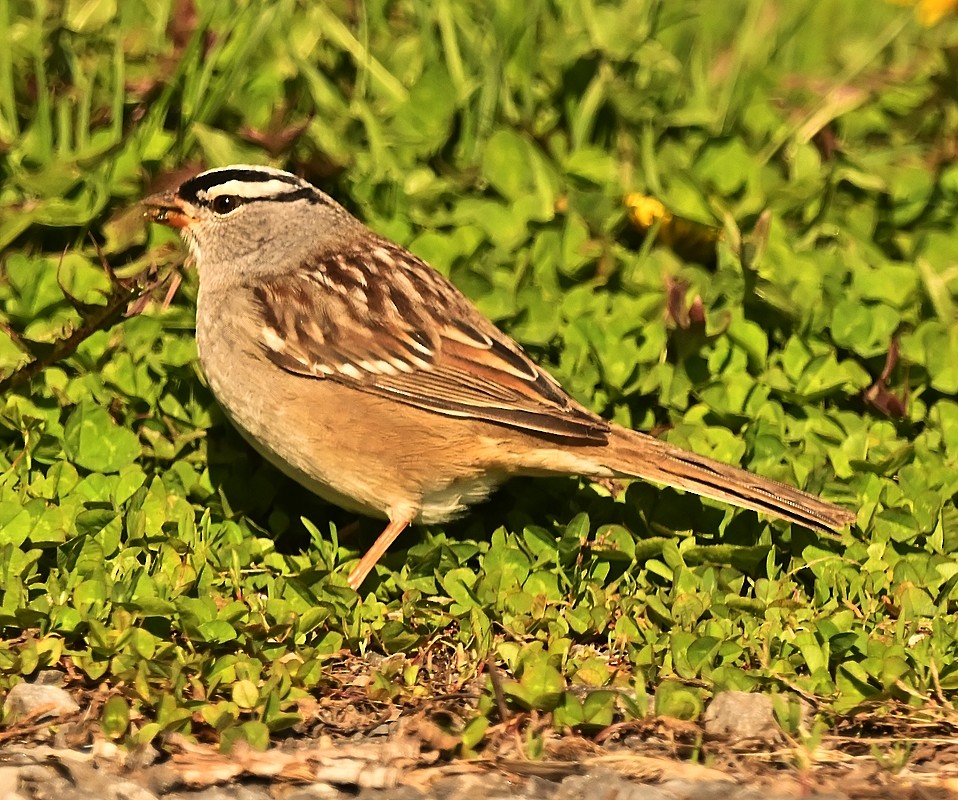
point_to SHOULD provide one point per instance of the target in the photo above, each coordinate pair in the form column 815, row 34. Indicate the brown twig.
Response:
column 496, row 679
column 128, row 297
column 107, row 316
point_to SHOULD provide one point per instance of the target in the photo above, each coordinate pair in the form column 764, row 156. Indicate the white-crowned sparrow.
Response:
column 366, row 376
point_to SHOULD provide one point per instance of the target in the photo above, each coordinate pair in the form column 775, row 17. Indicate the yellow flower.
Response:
column 691, row 240
column 645, row 211
column 931, row 12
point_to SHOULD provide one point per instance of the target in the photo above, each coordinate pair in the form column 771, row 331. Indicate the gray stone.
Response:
column 478, row 784
column 739, row 716
column 49, row 677
column 700, row 790
column 40, row 782
column 235, row 791
column 161, row 779
column 10, row 783
column 141, row 757
column 394, row 793
column 37, row 701
column 608, row 786
column 9, row 780
column 124, row 790
column 315, row 791
column 540, row 788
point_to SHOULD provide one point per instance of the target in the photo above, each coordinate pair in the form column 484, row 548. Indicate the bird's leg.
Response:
column 376, row 552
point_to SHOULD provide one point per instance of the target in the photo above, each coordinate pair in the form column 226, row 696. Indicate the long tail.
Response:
column 631, row 454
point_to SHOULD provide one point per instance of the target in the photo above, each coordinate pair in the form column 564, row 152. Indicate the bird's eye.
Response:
column 224, row 203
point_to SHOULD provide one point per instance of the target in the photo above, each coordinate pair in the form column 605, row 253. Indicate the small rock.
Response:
column 315, row 791
column 9, row 781
column 41, row 782
column 456, row 787
column 608, row 786
column 49, row 677
column 394, row 793
column 141, row 757
column 702, row 790
column 159, row 779
column 234, row 791
column 126, row 790
column 539, row 788
column 739, row 716
column 37, row 701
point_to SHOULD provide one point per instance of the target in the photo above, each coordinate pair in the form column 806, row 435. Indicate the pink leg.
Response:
column 376, row 552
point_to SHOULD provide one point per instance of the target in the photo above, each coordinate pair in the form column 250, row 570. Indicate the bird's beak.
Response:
column 168, row 209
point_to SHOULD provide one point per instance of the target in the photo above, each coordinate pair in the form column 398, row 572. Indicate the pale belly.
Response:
column 302, row 427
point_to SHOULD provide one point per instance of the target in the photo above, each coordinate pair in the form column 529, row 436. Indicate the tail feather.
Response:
column 631, row 454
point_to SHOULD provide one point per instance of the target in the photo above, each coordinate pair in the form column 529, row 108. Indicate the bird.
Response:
column 365, row 375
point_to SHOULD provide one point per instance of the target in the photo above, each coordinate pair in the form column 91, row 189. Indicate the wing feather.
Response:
column 383, row 321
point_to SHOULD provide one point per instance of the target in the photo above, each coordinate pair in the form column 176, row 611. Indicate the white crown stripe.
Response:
column 252, row 189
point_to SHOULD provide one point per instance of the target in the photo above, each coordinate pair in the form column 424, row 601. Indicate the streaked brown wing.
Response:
column 383, row 321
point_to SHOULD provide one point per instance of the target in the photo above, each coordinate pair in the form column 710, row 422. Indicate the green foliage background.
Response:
column 143, row 545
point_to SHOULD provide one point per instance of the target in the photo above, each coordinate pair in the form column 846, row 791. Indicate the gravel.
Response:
column 404, row 762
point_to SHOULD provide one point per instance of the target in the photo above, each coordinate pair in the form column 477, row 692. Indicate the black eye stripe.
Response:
column 226, row 203
column 306, row 193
